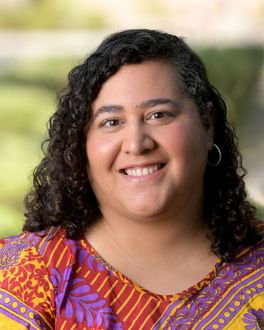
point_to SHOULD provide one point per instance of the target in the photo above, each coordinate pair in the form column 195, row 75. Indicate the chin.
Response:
column 145, row 211
column 148, row 205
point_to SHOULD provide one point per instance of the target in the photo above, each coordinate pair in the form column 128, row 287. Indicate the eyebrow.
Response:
column 143, row 105
column 108, row 109
column 159, row 101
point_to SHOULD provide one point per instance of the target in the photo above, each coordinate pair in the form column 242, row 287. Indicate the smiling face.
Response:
column 146, row 145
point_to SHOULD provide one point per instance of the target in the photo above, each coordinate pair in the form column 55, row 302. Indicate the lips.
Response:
column 142, row 170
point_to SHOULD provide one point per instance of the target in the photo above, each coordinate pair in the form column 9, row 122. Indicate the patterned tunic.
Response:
column 48, row 281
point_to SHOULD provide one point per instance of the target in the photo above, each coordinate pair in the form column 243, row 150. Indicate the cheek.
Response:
column 186, row 141
column 100, row 152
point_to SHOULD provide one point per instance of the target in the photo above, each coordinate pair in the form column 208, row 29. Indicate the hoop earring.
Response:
column 219, row 156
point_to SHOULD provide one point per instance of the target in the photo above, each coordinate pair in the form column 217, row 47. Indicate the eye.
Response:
column 110, row 122
column 158, row 115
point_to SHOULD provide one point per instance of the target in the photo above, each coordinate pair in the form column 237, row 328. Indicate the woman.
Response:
column 138, row 217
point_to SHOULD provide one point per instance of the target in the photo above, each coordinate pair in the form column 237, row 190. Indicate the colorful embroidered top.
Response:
column 50, row 282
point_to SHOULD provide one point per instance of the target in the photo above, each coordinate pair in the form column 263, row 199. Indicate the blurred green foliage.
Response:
column 28, row 97
column 50, row 14
column 235, row 72
column 260, row 211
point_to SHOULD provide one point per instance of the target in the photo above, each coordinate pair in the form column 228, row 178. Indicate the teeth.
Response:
column 151, row 170
column 142, row 171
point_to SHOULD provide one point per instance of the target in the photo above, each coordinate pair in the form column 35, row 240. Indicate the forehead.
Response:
column 134, row 83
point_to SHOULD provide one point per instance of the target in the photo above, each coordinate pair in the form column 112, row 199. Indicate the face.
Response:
column 147, row 145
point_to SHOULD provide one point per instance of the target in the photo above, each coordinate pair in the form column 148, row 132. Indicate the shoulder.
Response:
column 249, row 260
column 15, row 250
column 25, row 286
column 31, row 252
column 246, row 265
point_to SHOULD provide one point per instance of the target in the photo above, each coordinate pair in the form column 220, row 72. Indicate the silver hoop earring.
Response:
column 218, row 161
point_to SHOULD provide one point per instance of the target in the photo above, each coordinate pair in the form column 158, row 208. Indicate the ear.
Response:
column 209, row 124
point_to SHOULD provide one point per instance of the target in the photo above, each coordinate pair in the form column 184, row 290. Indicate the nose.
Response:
column 137, row 139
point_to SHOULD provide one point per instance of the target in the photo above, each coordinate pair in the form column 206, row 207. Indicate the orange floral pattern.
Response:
column 48, row 281
column 25, row 280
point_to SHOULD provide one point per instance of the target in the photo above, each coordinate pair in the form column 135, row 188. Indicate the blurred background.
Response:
column 41, row 40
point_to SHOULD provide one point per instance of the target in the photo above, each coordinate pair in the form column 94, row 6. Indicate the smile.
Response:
column 143, row 171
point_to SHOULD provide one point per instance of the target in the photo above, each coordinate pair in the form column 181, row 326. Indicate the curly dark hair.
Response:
column 62, row 194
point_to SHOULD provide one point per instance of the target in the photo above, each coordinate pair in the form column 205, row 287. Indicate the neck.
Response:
column 164, row 255
column 151, row 238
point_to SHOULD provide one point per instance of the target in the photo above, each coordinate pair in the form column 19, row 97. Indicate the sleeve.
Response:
column 26, row 292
